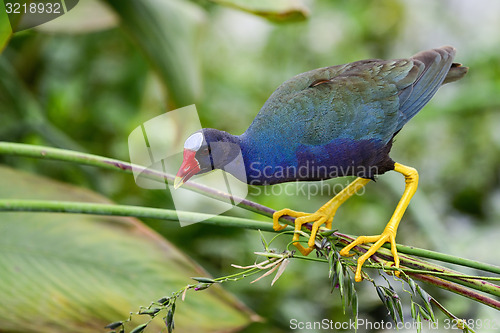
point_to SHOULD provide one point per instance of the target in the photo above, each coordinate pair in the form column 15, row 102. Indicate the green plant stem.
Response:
column 458, row 289
column 446, row 258
column 135, row 211
column 225, row 221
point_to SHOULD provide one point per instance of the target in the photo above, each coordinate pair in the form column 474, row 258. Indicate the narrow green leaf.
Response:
column 203, row 279
column 5, row 29
column 169, row 320
column 399, row 308
column 163, row 301
column 263, row 240
column 392, row 309
column 348, row 288
column 151, row 312
column 424, row 313
column 331, row 263
column 431, row 313
column 354, row 306
column 202, row 286
column 427, row 303
column 139, row 328
column 423, row 295
column 275, row 10
column 413, row 310
column 114, row 325
column 381, row 295
column 412, row 285
column 340, row 274
column 335, row 281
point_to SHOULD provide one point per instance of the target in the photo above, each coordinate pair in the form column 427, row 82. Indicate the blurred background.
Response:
column 87, row 79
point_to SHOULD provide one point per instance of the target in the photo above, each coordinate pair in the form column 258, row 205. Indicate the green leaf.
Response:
column 203, row 279
column 163, row 301
column 275, row 10
column 392, row 309
column 5, row 29
column 381, row 294
column 340, row 275
column 166, row 32
column 424, row 313
column 399, row 308
column 114, row 325
column 88, row 16
column 354, row 306
column 412, row 285
column 77, row 273
column 413, row 310
column 263, row 240
column 151, row 312
column 169, row 320
column 139, row 328
column 427, row 303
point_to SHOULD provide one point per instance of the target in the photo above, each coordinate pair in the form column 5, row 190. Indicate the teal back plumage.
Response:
column 367, row 101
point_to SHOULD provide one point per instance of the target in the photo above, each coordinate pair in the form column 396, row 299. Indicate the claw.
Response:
column 379, row 240
column 317, row 219
column 276, row 216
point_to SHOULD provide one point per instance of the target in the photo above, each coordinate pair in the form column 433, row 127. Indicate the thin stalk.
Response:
column 458, row 289
column 135, row 211
column 225, row 221
column 446, row 258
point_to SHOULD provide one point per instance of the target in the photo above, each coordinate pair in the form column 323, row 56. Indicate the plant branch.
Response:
column 125, row 210
column 458, row 289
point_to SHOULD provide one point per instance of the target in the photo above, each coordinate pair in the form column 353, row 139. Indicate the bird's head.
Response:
column 204, row 151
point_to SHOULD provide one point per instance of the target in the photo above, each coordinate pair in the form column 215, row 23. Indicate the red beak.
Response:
column 188, row 169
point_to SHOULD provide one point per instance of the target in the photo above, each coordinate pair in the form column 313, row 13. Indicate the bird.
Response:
column 330, row 122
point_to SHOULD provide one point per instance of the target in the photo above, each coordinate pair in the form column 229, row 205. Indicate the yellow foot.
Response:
column 379, row 240
column 323, row 215
column 317, row 219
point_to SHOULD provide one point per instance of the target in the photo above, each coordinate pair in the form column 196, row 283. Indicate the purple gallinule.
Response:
column 330, row 122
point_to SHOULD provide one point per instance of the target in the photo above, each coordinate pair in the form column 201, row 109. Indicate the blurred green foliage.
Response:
column 91, row 89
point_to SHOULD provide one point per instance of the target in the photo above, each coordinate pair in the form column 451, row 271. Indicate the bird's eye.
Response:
column 204, row 151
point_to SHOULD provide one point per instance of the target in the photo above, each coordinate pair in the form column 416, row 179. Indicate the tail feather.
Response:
column 435, row 68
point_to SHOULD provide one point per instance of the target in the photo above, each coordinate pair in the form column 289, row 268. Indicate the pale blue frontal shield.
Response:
column 158, row 144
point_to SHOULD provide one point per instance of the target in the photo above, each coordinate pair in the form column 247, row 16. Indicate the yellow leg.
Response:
column 389, row 233
column 323, row 215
